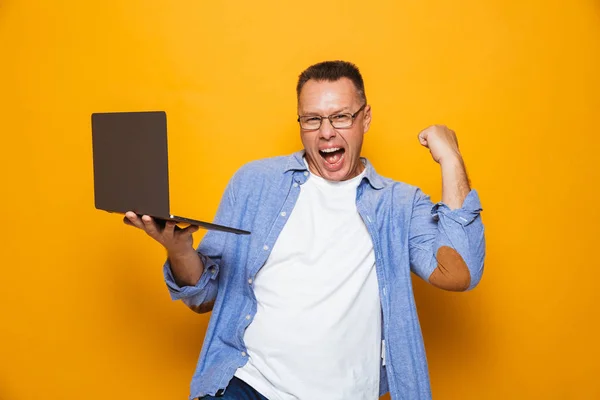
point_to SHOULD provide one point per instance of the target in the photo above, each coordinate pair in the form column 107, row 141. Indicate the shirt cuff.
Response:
column 211, row 270
column 469, row 211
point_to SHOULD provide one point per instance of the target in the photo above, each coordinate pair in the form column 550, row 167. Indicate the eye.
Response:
column 312, row 119
column 341, row 117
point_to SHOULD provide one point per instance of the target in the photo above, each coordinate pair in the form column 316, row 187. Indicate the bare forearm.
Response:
column 187, row 267
column 455, row 182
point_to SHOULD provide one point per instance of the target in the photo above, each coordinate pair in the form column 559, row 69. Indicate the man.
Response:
column 317, row 302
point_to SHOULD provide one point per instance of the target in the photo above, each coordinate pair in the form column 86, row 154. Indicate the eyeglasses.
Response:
column 338, row 121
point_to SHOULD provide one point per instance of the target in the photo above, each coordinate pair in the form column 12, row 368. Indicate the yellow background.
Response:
column 84, row 310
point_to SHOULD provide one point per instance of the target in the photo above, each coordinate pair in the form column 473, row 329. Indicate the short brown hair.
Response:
column 332, row 71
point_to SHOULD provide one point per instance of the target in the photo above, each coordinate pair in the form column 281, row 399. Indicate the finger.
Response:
column 150, row 226
column 170, row 227
column 126, row 221
column 423, row 139
column 133, row 220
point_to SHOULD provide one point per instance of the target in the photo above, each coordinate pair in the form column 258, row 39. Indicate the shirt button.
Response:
column 243, row 354
column 295, row 184
column 248, row 316
column 250, row 281
column 283, row 214
column 266, row 247
column 305, row 173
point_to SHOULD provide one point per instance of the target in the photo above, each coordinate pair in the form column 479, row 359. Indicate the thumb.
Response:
column 423, row 139
column 190, row 230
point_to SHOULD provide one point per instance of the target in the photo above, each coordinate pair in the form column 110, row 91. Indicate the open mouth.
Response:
column 332, row 155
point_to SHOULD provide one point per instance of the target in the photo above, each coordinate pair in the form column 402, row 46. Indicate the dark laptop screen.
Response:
column 131, row 162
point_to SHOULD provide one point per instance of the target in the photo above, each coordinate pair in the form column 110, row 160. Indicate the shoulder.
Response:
column 401, row 193
column 397, row 196
column 389, row 187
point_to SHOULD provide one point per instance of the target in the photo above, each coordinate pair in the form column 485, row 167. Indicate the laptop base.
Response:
column 161, row 222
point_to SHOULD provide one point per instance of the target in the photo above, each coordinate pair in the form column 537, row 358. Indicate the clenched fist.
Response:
column 441, row 142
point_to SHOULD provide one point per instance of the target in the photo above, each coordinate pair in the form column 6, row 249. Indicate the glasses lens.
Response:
column 310, row 122
column 341, row 120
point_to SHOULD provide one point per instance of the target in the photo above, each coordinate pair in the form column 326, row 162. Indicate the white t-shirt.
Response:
column 317, row 330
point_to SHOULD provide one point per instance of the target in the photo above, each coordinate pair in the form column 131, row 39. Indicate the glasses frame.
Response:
column 329, row 117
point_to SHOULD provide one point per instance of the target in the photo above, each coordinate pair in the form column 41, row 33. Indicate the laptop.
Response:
column 131, row 168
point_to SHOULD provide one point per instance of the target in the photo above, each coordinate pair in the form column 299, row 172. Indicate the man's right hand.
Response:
column 185, row 262
column 175, row 240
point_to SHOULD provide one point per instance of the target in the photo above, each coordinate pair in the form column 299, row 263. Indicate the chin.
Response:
column 336, row 176
column 340, row 175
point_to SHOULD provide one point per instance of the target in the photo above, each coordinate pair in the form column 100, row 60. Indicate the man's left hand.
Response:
column 441, row 142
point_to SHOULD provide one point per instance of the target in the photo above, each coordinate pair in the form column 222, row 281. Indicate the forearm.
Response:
column 187, row 267
column 196, row 281
column 455, row 182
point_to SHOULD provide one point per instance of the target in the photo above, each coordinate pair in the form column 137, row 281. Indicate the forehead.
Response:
column 327, row 95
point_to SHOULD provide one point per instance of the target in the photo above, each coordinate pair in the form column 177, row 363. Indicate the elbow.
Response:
column 452, row 272
column 202, row 307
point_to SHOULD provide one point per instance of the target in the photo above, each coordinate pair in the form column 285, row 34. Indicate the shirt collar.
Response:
column 296, row 163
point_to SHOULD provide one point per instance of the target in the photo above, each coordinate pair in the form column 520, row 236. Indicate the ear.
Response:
column 367, row 118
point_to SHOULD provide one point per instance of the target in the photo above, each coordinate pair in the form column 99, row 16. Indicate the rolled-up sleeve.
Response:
column 436, row 225
column 204, row 290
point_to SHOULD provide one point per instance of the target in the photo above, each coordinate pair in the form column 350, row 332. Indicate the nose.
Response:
column 327, row 130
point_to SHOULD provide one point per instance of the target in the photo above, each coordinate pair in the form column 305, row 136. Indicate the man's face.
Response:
column 333, row 154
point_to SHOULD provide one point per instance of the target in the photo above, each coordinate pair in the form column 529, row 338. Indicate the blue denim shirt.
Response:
column 406, row 229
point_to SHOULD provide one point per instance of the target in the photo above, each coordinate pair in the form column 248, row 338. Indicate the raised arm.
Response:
column 443, row 146
column 447, row 240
